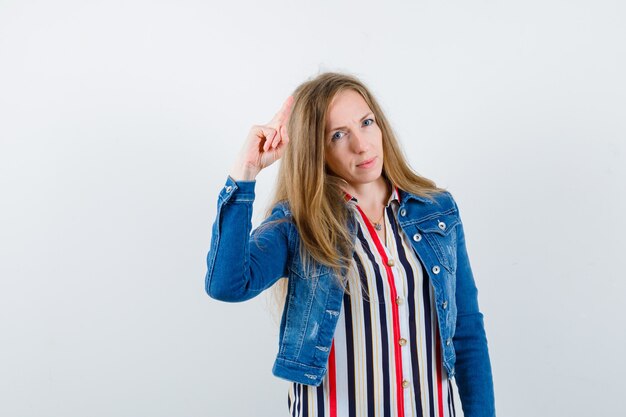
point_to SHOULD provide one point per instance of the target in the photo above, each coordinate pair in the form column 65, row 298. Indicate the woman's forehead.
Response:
column 347, row 106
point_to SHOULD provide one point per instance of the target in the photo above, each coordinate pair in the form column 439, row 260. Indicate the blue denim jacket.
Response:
column 241, row 265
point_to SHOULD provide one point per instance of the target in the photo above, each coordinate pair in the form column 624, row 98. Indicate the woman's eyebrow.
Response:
column 343, row 127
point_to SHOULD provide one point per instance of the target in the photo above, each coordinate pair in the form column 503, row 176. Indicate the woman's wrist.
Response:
column 243, row 174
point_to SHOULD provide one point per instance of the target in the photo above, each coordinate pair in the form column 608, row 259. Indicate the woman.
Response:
column 380, row 306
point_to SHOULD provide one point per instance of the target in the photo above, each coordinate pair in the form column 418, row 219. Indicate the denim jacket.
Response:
column 241, row 265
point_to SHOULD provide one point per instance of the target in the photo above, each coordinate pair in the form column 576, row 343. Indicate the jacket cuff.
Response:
column 237, row 190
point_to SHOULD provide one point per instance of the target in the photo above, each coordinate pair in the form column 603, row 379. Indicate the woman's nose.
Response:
column 359, row 142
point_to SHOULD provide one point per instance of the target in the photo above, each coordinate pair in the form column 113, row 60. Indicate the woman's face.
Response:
column 354, row 142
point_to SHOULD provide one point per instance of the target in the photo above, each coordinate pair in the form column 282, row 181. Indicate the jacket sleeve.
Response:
column 240, row 264
column 473, row 367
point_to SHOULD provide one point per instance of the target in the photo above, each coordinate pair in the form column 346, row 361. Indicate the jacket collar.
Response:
column 406, row 196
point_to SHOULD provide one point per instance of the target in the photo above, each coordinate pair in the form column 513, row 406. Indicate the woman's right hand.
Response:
column 263, row 146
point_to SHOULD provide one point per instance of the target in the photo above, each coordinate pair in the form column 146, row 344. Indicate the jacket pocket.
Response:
column 439, row 231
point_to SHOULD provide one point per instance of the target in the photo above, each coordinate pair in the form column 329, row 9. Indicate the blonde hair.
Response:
column 315, row 195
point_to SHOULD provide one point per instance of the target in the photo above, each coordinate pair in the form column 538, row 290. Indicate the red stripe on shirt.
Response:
column 439, row 393
column 396, row 319
column 332, row 383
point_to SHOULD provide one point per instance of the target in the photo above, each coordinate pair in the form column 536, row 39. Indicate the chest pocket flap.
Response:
column 440, row 232
column 441, row 224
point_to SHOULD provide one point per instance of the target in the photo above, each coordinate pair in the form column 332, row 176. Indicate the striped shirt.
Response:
column 385, row 358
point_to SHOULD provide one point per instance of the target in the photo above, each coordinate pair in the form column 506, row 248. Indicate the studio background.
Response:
column 120, row 120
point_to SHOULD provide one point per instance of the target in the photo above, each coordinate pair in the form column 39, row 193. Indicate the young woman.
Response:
column 380, row 306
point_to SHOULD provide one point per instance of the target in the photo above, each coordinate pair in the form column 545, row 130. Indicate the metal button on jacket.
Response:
column 403, row 212
column 444, row 304
column 229, row 188
column 436, row 269
column 442, row 225
column 417, row 237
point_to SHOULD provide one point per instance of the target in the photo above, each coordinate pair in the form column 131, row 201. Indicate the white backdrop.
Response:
column 119, row 121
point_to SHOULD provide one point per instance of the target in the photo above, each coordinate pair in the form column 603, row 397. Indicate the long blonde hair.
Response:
column 314, row 195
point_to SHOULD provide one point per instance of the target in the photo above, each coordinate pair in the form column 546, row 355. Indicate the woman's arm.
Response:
column 473, row 367
column 241, row 265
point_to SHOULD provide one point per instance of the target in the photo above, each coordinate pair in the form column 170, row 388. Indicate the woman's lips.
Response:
column 367, row 164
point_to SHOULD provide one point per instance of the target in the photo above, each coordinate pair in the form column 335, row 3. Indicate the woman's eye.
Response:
column 338, row 135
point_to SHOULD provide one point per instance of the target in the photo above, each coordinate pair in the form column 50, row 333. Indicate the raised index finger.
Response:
column 283, row 114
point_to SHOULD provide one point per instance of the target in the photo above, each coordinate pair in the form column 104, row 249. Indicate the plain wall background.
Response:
column 119, row 121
